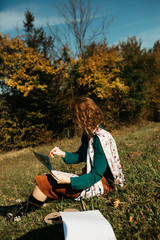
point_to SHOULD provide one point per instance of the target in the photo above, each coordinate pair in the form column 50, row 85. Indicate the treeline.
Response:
column 39, row 82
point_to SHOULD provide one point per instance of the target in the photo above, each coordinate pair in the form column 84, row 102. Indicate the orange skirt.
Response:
column 48, row 185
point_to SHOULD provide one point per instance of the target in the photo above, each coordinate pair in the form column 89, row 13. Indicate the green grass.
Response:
column 138, row 213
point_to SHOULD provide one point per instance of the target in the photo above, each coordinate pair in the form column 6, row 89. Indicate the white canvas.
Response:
column 86, row 225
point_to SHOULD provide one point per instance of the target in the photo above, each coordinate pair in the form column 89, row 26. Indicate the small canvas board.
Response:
column 45, row 160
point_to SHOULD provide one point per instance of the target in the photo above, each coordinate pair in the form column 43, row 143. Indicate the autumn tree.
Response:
column 37, row 38
column 153, row 100
column 97, row 76
column 33, row 92
column 134, row 72
column 77, row 26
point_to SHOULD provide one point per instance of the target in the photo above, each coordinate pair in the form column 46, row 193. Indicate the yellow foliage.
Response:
column 23, row 68
column 100, row 73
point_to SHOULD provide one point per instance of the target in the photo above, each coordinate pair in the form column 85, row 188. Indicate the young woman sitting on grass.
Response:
column 98, row 149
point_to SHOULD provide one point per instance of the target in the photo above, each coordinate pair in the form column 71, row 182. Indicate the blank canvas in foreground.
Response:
column 86, row 225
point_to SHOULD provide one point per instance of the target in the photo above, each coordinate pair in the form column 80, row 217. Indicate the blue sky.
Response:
column 140, row 18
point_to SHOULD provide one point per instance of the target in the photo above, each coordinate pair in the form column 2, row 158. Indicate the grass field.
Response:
column 133, row 211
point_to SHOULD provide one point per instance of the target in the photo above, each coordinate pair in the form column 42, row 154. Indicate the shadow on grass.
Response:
column 47, row 233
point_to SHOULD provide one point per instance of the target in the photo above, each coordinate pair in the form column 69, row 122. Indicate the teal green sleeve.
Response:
column 100, row 165
column 80, row 155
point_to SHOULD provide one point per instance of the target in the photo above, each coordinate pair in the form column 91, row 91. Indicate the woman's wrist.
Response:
column 63, row 154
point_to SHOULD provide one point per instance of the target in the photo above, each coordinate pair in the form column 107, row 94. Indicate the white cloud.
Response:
column 149, row 37
column 11, row 19
column 154, row 20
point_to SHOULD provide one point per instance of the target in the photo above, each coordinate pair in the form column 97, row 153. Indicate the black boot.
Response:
column 17, row 211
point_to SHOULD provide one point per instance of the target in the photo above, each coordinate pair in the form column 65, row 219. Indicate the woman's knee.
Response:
column 38, row 194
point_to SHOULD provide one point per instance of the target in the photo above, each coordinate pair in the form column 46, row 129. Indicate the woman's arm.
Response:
column 80, row 155
column 75, row 157
column 100, row 165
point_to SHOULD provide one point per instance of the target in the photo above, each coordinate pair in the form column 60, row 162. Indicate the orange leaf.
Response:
column 117, row 202
column 130, row 219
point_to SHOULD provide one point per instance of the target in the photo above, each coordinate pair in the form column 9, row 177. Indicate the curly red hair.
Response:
column 87, row 114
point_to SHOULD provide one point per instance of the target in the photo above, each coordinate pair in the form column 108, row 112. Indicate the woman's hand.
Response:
column 61, row 178
column 58, row 152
